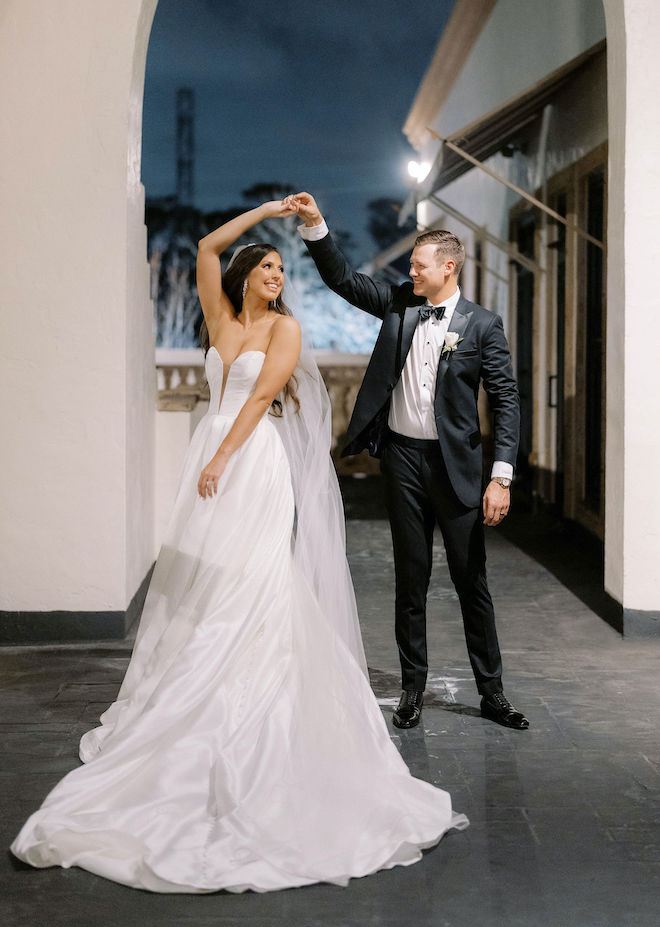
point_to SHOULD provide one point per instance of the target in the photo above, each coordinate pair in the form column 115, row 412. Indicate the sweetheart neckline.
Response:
column 226, row 368
column 249, row 351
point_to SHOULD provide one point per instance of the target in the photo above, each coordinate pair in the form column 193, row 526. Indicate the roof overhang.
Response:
column 495, row 130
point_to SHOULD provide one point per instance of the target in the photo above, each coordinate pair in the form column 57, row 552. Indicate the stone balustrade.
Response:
column 181, row 379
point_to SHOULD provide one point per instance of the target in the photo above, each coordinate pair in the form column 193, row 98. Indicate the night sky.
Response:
column 304, row 93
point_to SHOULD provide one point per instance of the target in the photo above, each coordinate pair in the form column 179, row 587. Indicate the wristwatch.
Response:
column 502, row 480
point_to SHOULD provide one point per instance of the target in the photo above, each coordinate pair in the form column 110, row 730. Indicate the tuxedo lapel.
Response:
column 459, row 322
column 406, row 332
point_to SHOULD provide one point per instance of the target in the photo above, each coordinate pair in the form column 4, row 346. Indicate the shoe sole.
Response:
column 405, row 725
column 512, row 727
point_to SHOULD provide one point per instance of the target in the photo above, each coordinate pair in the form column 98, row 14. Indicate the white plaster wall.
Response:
column 616, row 294
column 632, row 551
column 76, row 357
column 173, row 433
column 141, row 387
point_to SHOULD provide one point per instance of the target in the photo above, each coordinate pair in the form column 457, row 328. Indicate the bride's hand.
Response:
column 279, row 209
column 207, row 485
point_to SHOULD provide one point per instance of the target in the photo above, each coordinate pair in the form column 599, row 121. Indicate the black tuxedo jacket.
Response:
column 483, row 354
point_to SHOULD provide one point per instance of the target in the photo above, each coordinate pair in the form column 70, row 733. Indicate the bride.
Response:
column 245, row 749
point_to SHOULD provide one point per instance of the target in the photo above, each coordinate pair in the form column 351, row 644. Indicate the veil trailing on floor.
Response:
column 319, row 536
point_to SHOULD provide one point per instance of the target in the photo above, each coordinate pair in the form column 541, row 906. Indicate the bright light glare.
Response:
column 424, row 169
column 417, row 170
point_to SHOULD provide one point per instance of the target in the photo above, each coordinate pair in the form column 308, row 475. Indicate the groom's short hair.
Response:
column 447, row 246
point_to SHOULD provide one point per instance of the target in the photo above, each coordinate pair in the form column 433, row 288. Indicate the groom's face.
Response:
column 428, row 272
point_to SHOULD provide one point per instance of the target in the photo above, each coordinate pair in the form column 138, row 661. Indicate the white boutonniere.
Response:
column 451, row 343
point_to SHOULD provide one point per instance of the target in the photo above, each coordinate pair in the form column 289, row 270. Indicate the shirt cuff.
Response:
column 501, row 468
column 314, row 232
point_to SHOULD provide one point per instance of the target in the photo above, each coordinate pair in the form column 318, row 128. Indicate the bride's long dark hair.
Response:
column 232, row 284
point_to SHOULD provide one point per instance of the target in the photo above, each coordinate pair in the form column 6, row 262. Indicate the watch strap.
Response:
column 502, row 480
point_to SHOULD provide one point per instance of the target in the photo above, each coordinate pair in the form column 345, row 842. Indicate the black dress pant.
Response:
column 418, row 494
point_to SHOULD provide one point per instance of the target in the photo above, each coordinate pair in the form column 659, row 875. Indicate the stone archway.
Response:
column 78, row 379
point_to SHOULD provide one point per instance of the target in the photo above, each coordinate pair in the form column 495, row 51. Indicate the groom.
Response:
column 417, row 411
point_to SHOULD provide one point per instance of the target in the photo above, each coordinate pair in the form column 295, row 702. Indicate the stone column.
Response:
column 78, row 385
column 632, row 525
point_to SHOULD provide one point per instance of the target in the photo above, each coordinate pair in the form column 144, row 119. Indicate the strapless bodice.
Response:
column 239, row 385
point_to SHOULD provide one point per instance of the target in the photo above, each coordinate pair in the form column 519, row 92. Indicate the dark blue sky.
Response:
column 309, row 93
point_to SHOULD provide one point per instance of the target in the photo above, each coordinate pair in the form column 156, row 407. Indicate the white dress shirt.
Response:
column 412, row 412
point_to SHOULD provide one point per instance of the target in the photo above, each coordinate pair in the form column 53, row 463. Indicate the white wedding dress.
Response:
column 245, row 749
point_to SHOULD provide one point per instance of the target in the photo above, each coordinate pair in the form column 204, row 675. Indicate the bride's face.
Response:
column 267, row 278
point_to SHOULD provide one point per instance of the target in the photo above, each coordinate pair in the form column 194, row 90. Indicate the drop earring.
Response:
column 244, row 288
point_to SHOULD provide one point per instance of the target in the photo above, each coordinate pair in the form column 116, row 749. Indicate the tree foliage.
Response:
column 173, row 233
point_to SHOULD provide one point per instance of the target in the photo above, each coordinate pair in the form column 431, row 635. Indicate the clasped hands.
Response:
column 301, row 204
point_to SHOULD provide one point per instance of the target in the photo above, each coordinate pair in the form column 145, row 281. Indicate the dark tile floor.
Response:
column 565, row 818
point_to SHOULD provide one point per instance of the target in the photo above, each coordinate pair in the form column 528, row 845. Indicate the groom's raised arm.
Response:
column 356, row 288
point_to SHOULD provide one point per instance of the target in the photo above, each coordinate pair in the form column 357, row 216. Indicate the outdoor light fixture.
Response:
column 418, row 170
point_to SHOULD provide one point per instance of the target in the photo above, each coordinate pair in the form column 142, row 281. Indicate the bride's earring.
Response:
column 244, row 288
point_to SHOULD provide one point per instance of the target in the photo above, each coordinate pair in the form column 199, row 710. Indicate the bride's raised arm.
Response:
column 214, row 301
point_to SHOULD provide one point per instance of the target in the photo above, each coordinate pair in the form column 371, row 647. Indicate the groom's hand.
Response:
column 495, row 504
column 307, row 209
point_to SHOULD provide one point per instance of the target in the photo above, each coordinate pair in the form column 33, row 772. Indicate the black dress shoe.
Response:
column 497, row 707
column 409, row 710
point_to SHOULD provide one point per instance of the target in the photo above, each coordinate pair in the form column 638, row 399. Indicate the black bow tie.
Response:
column 425, row 312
